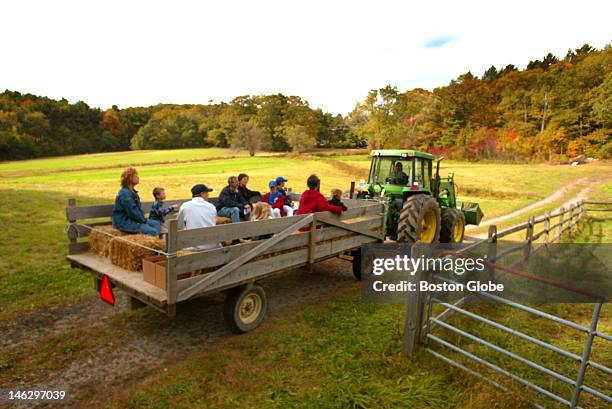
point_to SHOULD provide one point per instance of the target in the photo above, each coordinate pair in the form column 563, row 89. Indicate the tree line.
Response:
column 554, row 108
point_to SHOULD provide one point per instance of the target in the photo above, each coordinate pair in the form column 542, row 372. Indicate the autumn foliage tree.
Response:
column 250, row 137
column 554, row 109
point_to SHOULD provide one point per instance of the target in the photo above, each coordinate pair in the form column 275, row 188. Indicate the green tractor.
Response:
column 421, row 207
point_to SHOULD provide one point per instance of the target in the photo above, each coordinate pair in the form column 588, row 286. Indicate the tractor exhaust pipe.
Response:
column 437, row 186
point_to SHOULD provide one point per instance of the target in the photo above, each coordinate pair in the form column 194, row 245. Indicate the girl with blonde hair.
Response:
column 261, row 211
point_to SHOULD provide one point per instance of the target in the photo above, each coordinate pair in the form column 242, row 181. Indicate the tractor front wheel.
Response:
column 453, row 226
column 419, row 220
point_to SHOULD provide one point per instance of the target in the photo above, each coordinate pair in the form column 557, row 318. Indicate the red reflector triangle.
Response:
column 106, row 292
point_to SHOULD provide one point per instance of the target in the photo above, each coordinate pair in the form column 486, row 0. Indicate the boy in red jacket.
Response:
column 313, row 201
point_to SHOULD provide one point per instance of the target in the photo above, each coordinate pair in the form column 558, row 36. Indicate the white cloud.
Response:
column 331, row 53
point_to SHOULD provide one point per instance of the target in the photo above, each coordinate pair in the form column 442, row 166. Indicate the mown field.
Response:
column 340, row 353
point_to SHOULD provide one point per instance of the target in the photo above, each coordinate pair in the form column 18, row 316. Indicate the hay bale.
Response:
column 100, row 239
column 126, row 251
column 223, row 220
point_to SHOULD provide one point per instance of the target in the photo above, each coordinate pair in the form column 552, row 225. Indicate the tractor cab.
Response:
column 401, row 170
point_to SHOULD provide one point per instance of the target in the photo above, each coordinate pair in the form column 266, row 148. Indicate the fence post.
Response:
column 352, row 191
column 561, row 220
column 546, row 228
column 414, row 309
column 571, row 220
column 72, row 236
column 529, row 235
column 492, row 249
column 586, row 355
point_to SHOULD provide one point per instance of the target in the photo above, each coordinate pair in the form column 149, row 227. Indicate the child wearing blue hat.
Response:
column 288, row 206
column 275, row 199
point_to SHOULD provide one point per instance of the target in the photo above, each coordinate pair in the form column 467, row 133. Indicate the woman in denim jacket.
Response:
column 127, row 212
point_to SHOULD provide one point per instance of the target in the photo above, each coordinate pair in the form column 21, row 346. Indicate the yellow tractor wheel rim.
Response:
column 250, row 308
column 458, row 231
column 428, row 227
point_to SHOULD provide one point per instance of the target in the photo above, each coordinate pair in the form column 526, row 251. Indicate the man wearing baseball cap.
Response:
column 198, row 212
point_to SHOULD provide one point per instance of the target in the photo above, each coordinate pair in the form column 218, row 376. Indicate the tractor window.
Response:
column 374, row 170
column 422, row 173
column 394, row 171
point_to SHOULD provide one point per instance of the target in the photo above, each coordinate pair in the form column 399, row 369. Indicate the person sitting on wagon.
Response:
column 158, row 211
column 261, row 211
column 275, row 199
column 288, row 206
column 128, row 215
column 232, row 203
column 313, row 201
column 251, row 196
column 198, row 212
column 336, row 199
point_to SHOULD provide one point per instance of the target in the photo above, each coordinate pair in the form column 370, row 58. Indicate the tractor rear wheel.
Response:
column 453, row 226
column 419, row 220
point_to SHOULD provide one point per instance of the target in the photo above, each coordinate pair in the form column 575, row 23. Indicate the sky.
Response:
column 331, row 53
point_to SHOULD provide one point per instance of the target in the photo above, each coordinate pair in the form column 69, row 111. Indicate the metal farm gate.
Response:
column 423, row 328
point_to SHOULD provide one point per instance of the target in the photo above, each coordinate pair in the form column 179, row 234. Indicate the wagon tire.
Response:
column 453, row 226
column 419, row 220
column 245, row 308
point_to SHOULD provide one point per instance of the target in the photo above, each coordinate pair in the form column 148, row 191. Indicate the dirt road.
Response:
column 557, row 195
column 587, row 184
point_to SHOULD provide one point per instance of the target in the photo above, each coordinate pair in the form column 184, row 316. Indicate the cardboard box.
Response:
column 154, row 271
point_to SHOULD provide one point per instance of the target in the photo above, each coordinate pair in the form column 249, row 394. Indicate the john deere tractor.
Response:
column 421, row 207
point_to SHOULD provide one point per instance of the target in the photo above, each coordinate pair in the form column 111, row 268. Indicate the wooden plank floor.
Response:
column 130, row 279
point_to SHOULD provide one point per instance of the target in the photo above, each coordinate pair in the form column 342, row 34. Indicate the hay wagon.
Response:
column 266, row 247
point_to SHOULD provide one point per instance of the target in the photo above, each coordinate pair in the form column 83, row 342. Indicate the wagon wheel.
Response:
column 245, row 308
